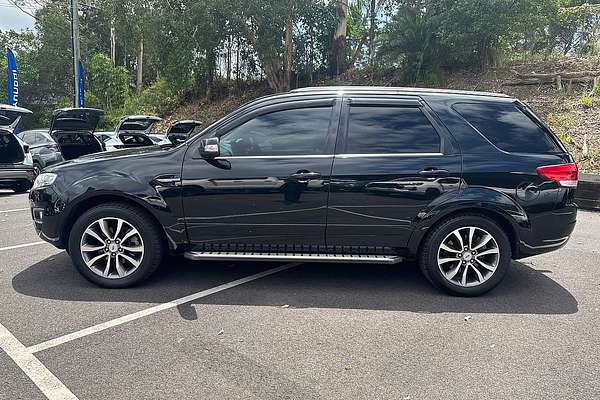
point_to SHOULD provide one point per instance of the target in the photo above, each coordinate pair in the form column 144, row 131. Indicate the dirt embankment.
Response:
column 576, row 123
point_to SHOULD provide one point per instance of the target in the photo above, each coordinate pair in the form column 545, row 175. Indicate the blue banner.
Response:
column 12, row 87
column 81, row 94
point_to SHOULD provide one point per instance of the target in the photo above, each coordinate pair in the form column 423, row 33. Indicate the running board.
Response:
column 307, row 257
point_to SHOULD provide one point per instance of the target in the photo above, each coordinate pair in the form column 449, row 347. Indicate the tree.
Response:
column 339, row 37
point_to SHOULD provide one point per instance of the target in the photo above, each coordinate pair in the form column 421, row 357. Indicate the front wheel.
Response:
column 466, row 255
column 116, row 245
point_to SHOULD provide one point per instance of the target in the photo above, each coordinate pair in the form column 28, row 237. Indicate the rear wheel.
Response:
column 116, row 245
column 466, row 255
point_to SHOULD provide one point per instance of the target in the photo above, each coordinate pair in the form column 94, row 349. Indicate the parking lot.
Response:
column 295, row 331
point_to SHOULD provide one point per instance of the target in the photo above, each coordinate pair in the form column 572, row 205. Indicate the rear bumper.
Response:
column 549, row 231
column 10, row 176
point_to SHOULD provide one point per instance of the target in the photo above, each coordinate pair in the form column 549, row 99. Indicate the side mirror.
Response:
column 210, row 148
column 26, row 148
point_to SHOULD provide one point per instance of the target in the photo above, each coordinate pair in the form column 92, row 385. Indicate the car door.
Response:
column 390, row 156
column 267, row 191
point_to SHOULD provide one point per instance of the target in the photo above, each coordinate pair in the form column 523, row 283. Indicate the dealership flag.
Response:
column 81, row 94
column 12, row 86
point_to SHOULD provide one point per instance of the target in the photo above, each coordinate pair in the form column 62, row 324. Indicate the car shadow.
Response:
column 345, row 286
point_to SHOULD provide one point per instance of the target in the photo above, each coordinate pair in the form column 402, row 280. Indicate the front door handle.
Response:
column 434, row 172
column 305, row 175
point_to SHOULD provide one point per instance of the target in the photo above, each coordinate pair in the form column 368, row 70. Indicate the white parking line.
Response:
column 13, row 210
column 45, row 380
column 18, row 246
column 153, row 310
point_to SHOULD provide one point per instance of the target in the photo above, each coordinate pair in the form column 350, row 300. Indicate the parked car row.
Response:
column 72, row 135
column 136, row 131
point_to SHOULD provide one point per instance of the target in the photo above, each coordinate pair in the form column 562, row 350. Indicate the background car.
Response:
column 44, row 150
column 16, row 165
column 131, row 131
column 73, row 130
column 180, row 131
column 160, row 140
column 112, row 141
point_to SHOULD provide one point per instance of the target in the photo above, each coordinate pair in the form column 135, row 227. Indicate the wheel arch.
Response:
column 508, row 223
column 93, row 201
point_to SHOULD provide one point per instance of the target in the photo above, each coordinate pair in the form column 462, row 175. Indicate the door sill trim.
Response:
column 307, row 257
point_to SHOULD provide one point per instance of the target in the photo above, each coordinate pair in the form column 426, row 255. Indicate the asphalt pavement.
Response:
column 222, row 330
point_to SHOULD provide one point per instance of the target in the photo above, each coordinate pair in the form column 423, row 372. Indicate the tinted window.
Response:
column 381, row 130
column 507, row 127
column 289, row 132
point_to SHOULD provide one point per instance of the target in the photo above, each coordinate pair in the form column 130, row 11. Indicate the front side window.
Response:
column 387, row 129
column 301, row 131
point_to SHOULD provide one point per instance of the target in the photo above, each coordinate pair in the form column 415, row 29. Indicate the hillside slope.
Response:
column 577, row 125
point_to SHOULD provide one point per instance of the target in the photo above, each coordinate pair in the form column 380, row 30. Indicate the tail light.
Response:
column 564, row 174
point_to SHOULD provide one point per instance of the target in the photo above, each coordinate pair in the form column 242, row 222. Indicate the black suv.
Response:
column 462, row 181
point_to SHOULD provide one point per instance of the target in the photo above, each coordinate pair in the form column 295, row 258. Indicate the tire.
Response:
column 141, row 252
column 446, row 269
column 20, row 187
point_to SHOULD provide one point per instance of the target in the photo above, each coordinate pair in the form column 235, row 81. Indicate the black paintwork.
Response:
column 365, row 203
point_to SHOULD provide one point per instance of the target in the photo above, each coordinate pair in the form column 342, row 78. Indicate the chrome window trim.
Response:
column 389, row 155
column 286, row 156
column 337, row 156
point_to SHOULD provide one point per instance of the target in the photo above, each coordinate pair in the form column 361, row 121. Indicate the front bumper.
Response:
column 47, row 212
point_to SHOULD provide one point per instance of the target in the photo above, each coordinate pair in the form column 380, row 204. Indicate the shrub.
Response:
column 587, row 101
column 596, row 89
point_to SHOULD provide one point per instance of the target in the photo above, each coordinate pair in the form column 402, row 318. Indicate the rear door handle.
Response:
column 434, row 172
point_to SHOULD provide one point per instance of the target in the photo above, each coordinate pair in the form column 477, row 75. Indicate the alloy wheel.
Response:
column 112, row 248
column 468, row 256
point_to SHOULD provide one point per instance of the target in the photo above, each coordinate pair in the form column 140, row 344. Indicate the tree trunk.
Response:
column 228, row 58
column 237, row 63
column 271, row 66
column 210, row 71
column 372, row 26
column 339, row 37
column 113, row 43
column 288, row 53
column 140, row 67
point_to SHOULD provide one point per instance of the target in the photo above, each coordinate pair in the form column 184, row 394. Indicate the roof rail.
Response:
column 395, row 90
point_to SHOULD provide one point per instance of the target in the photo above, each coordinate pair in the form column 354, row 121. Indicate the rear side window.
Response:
column 507, row 127
column 381, row 130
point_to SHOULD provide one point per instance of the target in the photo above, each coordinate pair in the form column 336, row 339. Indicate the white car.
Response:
column 180, row 131
column 16, row 163
column 131, row 131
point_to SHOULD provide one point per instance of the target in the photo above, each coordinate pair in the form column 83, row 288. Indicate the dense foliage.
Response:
column 149, row 55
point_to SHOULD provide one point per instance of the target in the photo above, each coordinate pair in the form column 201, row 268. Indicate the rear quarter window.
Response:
column 508, row 127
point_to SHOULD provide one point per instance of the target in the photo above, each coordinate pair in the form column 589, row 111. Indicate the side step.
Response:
column 307, row 257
